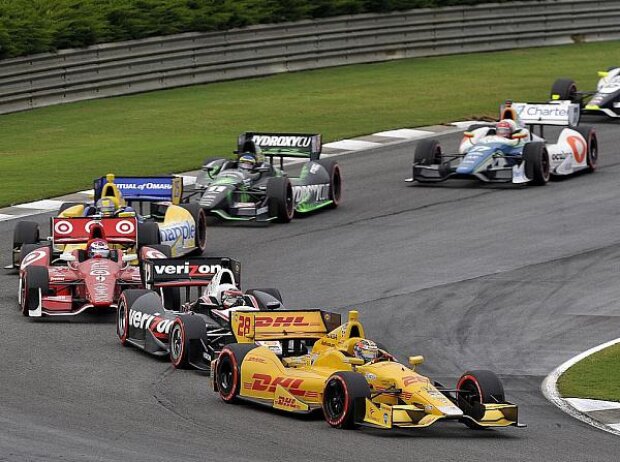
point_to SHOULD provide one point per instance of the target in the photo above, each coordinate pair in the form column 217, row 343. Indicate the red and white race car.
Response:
column 80, row 279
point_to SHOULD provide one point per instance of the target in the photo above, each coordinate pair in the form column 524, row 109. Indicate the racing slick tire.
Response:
column 476, row 388
column 228, row 370
column 127, row 299
column 590, row 136
column 427, row 152
column 67, row 205
column 25, row 232
column 185, row 332
column 344, row 399
column 335, row 181
column 200, row 221
column 536, row 160
column 35, row 279
column 148, row 234
column 280, row 199
column 565, row 89
column 262, row 304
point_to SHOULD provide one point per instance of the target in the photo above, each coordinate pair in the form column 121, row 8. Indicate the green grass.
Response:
column 55, row 150
column 596, row 377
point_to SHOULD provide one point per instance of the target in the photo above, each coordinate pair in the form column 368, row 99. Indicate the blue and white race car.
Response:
column 509, row 151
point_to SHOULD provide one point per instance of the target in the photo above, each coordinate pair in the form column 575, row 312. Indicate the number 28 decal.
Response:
column 244, row 326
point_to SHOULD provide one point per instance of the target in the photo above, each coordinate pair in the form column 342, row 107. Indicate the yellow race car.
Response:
column 302, row 361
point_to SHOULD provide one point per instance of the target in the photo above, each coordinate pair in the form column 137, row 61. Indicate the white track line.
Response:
column 352, row 145
column 47, row 204
column 405, row 133
column 550, row 390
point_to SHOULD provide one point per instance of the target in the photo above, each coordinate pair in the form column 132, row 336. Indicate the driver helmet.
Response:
column 505, row 128
column 229, row 295
column 98, row 248
column 366, row 350
column 247, row 161
column 106, row 207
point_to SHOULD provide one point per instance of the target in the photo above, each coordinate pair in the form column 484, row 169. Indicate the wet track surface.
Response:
column 516, row 280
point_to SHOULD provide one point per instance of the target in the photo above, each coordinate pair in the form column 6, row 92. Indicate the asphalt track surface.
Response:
column 512, row 279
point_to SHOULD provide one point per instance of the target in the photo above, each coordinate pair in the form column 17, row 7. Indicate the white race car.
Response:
column 520, row 156
column 605, row 99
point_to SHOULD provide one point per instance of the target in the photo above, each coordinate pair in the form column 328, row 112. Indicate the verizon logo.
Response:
column 186, row 270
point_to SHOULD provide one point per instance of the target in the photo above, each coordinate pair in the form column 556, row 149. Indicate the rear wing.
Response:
column 145, row 188
column 300, row 145
column 187, row 272
column 254, row 326
column 78, row 230
column 560, row 113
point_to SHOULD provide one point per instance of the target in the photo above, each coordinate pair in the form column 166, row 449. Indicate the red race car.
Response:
column 80, row 279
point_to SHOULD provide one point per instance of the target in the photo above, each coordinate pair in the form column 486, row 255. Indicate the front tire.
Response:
column 536, row 160
column 335, row 180
column 185, row 332
column 34, row 283
column 280, row 199
column 228, row 370
column 592, row 141
column 200, row 222
column 477, row 388
column 344, row 399
column 427, row 152
column 127, row 299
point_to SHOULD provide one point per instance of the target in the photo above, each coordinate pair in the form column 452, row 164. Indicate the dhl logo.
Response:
column 280, row 321
column 264, row 382
column 286, row 402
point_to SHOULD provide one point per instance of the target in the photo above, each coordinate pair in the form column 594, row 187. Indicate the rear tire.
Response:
column 25, row 232
column 590, row 136
column 34, row 283
column 200, row 222
column 427, row 152
column 335, row 181
column 280, row 199
column 148, row 234
column 127, row 299
column 344, row 399
column 482, row 387
column 228, row 370
column 536, row 160
column 565, row 89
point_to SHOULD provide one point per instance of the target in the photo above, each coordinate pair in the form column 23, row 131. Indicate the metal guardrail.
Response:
column 187, row 59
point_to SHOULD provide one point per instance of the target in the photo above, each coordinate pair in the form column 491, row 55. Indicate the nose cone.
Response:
column 100, row 276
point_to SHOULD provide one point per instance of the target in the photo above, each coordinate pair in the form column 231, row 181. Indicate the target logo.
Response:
column 152, row 254
column 63, row 227
column 125, row 227
column 32, row 257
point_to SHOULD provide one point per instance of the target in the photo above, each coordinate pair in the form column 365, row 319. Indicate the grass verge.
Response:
column 56, row 150
column 595, row 377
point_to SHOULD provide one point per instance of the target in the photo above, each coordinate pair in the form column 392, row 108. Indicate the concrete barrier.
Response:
column 193, row 58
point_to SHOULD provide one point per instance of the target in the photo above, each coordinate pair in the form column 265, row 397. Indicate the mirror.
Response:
column 416, row 360
column 273, row 305
column 603, row 73
column 130, row 257
column 67, row 257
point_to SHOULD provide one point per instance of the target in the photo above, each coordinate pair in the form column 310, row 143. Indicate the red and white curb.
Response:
column 604, row 415
column 336, row 148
